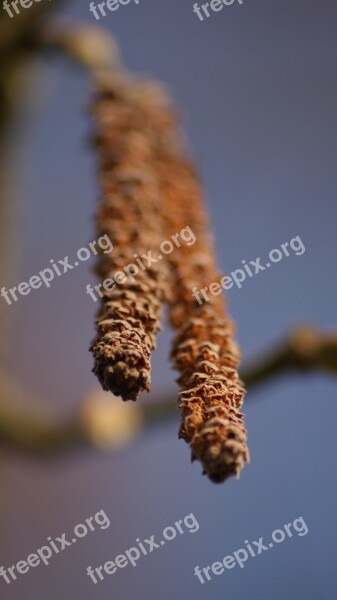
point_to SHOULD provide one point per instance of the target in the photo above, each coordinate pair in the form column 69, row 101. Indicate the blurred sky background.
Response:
column 256, row 85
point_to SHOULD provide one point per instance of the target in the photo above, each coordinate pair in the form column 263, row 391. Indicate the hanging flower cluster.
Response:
column 150, row 190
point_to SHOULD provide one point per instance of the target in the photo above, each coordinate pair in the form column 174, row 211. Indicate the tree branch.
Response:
column 105, row 422
column 305, row 349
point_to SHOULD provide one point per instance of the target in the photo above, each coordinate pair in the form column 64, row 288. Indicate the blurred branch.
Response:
column 105, row 422
column 89, row 46
column 19, row 32
column 29, row 434
column 18, row 45
column 17, row 49
column 305, row 350
column 27, row 425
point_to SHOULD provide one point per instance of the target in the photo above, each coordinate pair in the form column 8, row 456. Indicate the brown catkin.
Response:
column 204, row 351
column 151, row 192
column 129, row 214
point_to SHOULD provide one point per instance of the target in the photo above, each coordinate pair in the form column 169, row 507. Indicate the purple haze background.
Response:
column 257, row 87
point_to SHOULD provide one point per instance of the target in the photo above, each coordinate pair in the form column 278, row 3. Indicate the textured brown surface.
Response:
column 150, row 192
column 128, row 320
column 204, row 351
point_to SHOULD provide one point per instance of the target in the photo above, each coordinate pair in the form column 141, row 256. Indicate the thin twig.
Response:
column 305, row 349
column 106, row 422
